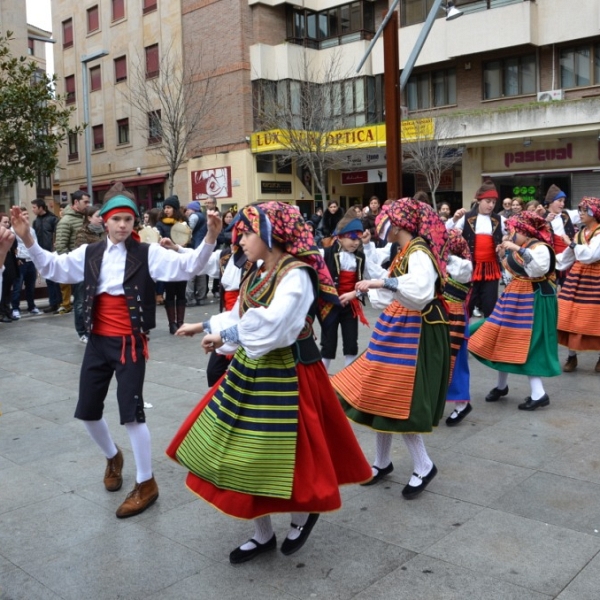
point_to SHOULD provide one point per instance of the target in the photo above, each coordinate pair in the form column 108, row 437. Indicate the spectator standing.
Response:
column 26, row 276
column 196, row 287
column 10, row 270
column 506, row 211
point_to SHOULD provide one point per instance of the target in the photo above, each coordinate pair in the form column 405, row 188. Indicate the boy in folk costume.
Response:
column 345, row 261
column 483, row 229
column 399, row 384
column 520, row 335
column 119, row 309
column 271, row 436
column 579, row 298
column 456, row 294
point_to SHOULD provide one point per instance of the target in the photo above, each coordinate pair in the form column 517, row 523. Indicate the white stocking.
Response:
column 502, row 380
column 421, row 461
column 326, row 362
column 139, row 436
column 263, row 532
column 348, row 359
column 99, row 432
column 300, row 520
column 537, row 387
column 383, row 450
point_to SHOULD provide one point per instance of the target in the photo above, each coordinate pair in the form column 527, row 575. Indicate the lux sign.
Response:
column 528, row 156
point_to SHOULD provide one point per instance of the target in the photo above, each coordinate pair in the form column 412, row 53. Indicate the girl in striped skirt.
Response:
column 399, row 384
column 520, row 335
column 579, row 298
column 270, row 436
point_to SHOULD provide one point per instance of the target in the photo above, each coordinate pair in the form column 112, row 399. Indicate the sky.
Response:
column 40, row 15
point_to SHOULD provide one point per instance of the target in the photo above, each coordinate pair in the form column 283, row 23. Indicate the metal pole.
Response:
column 393, row 144
column 379, row 31
column 86, row 120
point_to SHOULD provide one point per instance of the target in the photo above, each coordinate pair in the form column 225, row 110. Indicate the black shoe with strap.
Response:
column 239, row 556
column 495, row 394
column 290, row 546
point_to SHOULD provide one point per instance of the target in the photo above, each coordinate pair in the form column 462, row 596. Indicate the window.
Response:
column 95, row 79
column 120, row 69
column 93, row 19
column 148, row 6
column 154, row 127
column 428, row 90
column 31, row 46
column 118, row 9
column 340, row 25
column 67, row 30
column 73, row 146
column 509, row 77
column 123, row 131
column 70, row 89
column 264, row 163
column 98, row 136
column 152, row 67
column 580, row 66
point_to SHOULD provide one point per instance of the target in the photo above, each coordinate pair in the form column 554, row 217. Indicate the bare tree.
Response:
column 173, row 106
column 431, row 150
column 305, row 110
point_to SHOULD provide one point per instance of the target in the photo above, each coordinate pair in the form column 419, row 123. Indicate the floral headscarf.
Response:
column 284, row 224
column 531, row 225
column 457, row 245
column 591, row 204
column 421, row 220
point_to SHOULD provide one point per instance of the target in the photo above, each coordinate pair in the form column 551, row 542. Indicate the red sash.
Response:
column 486, row 261
column 559, row 244
column 346, row 283
column 230, row 298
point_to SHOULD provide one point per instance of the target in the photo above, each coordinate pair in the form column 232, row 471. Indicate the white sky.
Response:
column 40, row 15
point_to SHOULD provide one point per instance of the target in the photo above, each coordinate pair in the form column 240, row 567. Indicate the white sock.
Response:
column 537, row 387
column 99, row 432
column 572, row 352
column 422, row 463
column 383, row 450
column 502, row 380
column 300, row 520
column 326, row 362
column 460, row 406
column 263, row 532
column 139, row 436
column 348, row 359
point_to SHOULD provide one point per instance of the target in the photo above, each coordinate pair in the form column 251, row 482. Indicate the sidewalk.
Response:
column 514, row 512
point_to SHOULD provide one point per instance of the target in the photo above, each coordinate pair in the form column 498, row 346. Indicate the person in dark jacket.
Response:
column 331, row 218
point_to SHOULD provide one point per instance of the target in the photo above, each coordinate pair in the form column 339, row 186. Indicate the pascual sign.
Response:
column 537, row 156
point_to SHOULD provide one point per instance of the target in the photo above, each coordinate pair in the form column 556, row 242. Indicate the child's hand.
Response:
column 366, row 237
column 169, row 244
column 190, row 329
column 211, row 342
column 347, row 297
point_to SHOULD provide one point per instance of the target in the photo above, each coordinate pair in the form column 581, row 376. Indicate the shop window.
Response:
column 123, row 131
column 95, row 79
column 509, row 77
column 67, row 31
column 152, row 66
column 120, row 69
column 93, row 19
column 432, row 89
column 98, row 137
column 70, row 89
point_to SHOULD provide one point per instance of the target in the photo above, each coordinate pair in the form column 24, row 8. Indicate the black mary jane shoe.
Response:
column 381, row 473
column 241, row 556
column 452, row 420
column 412, row 491
column 290, row 546
column 530, row 404
column 495, row 394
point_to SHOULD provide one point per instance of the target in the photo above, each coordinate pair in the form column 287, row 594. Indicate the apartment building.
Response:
column 520, row 77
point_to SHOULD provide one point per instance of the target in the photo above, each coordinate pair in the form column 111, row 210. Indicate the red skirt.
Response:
column 327, row 455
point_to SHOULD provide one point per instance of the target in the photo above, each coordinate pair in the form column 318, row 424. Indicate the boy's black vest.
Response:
column 469, row 229
column 137, row 283
column 331, row 257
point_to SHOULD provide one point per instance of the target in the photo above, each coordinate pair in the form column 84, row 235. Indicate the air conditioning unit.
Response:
column 550, row 95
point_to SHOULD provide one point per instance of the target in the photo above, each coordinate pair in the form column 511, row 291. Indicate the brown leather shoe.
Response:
column 571, row 364
column 113, row 480
column 139, row 499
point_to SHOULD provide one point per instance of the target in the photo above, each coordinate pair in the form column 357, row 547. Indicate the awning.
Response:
column 131, row 182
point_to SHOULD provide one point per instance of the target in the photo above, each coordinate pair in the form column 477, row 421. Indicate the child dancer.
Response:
column 456, row 292
column 520, row 335
column 346, row 263
column 399, row 384
column 271, row 436
column 579, row 298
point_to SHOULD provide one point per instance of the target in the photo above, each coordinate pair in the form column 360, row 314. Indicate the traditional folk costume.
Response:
column 346, row 270
column 563, row 224
column 520, row 335
column 399, row 384
column 271, row 436
column 456, row 293
column 119, row 309
column 483, row 234
column 579, row 298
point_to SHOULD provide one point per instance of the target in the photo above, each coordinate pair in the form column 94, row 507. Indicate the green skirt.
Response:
column 429, row 395
column 542, row 357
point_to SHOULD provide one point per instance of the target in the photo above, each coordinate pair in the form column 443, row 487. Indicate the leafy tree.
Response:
column 33, row 121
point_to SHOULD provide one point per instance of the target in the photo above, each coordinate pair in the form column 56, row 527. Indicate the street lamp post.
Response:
column 86, row 114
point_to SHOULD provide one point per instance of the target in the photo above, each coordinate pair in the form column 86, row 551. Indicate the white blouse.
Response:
column 460, row 269
column 584, row 253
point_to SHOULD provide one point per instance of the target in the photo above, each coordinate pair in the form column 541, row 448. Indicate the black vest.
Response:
column 137, row 283
column 332, row 260
column 469, row 230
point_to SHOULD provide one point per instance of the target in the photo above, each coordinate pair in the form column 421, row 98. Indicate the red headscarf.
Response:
column 284, row 224
column 531, row 225
column 592, row 204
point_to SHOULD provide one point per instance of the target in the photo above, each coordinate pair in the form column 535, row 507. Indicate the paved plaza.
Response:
column 514, row 512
